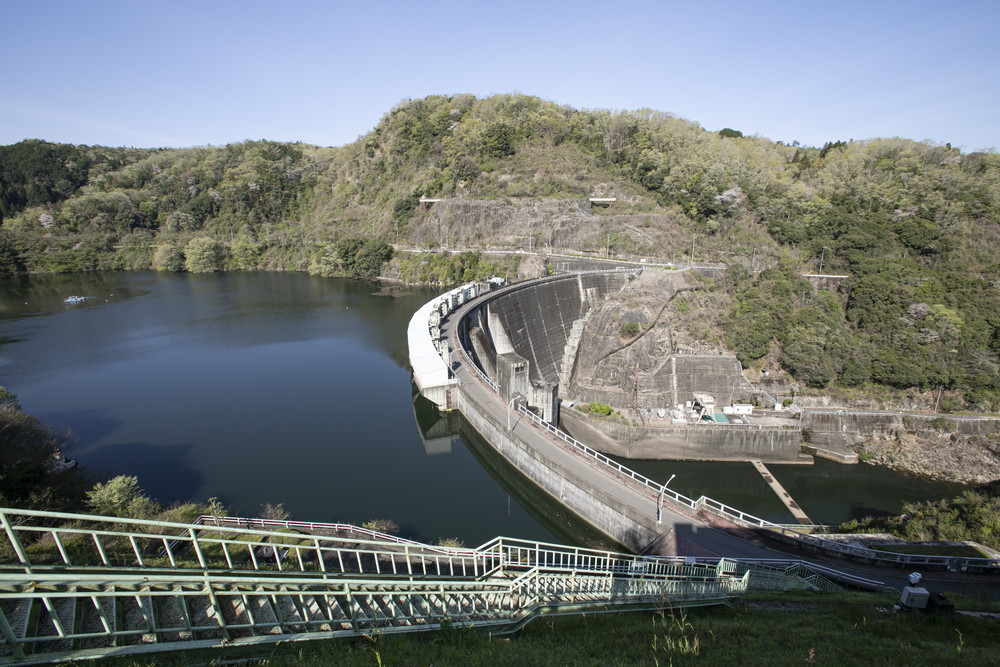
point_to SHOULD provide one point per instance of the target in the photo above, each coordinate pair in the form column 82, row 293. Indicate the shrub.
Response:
column 121, row 496
column 453, row 542
column 387, row 526
column 629, row 329
column 597, row 408
column 275, row 512
column 942, row 424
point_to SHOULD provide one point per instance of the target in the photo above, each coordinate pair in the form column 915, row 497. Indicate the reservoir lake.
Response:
column 286, row 388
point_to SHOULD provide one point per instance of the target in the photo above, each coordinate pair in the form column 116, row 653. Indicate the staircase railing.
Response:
column 77, row 615
column 39, row 539
column 87, row 586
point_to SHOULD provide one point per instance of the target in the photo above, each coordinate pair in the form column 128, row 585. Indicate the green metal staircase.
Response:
column 77, row 586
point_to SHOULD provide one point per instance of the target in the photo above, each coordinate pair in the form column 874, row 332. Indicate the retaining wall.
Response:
column 626, row 525
column 845, row 428
column 693, row 442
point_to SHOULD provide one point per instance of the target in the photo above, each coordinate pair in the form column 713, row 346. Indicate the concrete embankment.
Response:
column 852, row 427
column 621, row 521
column 949, row 447
column 693, row 442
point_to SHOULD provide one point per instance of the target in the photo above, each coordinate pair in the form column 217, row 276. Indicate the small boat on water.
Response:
column 76, row 299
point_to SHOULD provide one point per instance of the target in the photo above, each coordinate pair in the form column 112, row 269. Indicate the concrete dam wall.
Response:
column 536, row 322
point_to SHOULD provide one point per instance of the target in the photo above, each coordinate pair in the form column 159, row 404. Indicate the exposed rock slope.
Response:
column 634, row 353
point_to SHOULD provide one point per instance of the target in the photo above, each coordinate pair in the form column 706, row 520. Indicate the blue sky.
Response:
column 181, row 73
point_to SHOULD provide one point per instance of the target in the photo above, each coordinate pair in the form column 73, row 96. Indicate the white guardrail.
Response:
column 44, row 542
column 720, row 509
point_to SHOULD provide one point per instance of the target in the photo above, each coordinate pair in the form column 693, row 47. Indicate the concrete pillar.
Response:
column 512, row 376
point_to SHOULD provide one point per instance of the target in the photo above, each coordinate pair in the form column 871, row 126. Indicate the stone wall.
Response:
column 692, row 442
column 848, row 428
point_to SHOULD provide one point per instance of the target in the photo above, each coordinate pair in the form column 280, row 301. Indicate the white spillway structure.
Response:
column 428, row 352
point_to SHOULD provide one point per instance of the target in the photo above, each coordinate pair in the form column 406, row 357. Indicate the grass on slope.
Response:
column 779, row 629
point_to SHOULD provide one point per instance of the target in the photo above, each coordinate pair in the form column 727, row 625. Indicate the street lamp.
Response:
column 510, row 406
column 659, row 500
column 822, row 256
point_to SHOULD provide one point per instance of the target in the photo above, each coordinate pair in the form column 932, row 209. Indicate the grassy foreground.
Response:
column 779, row 629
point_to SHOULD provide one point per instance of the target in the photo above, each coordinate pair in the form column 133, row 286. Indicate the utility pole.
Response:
column 607, row 253
column 691, row 259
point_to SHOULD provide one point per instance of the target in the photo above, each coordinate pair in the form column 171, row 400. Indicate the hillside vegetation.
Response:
column 768, row 629
column 914, row 225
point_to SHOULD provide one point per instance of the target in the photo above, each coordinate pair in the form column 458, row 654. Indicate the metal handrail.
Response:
column 206, row 606
column 88, row 541
column 212, row 549
column 291, row 608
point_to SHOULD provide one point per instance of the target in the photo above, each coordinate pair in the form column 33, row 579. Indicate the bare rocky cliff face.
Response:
column 635, row 351
column 539, row 224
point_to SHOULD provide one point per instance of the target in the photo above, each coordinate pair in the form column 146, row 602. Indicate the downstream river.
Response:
column 284, row 388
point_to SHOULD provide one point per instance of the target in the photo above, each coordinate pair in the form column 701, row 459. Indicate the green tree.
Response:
column 327, row 264
column 203, row 255
column 754, row 323
column 11, row 257
column 372, row 256
column 168, row 257
column 245, row 252
column 27, row 478
column 812, row 355
column 499, row 140
column 404, row 207
column 121, row 496
column 8, row 401
column 363, row 258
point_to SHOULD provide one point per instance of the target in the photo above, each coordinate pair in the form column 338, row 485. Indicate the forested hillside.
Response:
column 915, row 226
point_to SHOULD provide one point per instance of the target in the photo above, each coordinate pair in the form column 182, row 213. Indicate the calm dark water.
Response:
column 273, row 387
column 254, row 388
